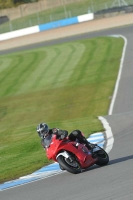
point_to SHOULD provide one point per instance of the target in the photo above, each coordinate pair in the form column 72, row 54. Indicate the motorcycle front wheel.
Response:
column 102, row 157
column 69, row 164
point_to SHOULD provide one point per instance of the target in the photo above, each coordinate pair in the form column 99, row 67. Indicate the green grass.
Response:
column 9, row 3
column 45, row 16
column 55, row 13
column 67, row 86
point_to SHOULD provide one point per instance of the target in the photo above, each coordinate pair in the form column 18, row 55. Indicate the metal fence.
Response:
column 54, row 10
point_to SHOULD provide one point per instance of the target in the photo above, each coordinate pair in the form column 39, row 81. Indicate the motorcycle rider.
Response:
column 46, row 134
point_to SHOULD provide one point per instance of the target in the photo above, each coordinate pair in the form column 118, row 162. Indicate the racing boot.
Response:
column 94, row 155
column 89, row 145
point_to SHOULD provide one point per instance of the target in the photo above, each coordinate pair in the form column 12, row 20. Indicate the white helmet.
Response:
column 42, row 130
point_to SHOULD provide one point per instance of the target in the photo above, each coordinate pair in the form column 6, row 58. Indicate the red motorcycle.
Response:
column 73, row 156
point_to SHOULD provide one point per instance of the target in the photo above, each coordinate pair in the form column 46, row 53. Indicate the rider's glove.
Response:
column 62, row 134
column 55, row 131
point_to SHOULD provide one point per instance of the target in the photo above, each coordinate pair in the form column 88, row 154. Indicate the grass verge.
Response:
column 66, row 85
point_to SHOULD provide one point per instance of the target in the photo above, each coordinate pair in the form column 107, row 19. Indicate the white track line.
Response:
column 108, row 132
column 119, row 75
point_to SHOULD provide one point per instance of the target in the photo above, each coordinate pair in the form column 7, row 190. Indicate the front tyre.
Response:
column 102, row 157
column 69, row 164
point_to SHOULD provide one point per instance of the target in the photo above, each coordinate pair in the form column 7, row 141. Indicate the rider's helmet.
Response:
column 42, row 130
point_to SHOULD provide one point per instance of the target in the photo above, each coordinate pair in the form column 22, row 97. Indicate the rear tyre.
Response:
column 71, row 165
column 102, row 156
column 61, row 167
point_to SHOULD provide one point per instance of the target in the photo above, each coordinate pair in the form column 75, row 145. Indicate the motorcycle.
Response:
column 74, row 156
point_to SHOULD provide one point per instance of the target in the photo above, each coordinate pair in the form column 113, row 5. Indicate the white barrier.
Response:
column 86, row 17
column 18, row 33
column 36, row 29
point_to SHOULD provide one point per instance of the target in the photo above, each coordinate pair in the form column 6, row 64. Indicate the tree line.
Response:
column 24, row 1
column 11, row 3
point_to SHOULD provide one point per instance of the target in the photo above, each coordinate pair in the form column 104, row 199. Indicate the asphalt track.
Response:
column 112, row 182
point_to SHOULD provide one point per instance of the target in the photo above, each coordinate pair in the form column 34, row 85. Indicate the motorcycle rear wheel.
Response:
column 102, row 156
column 71, row 166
